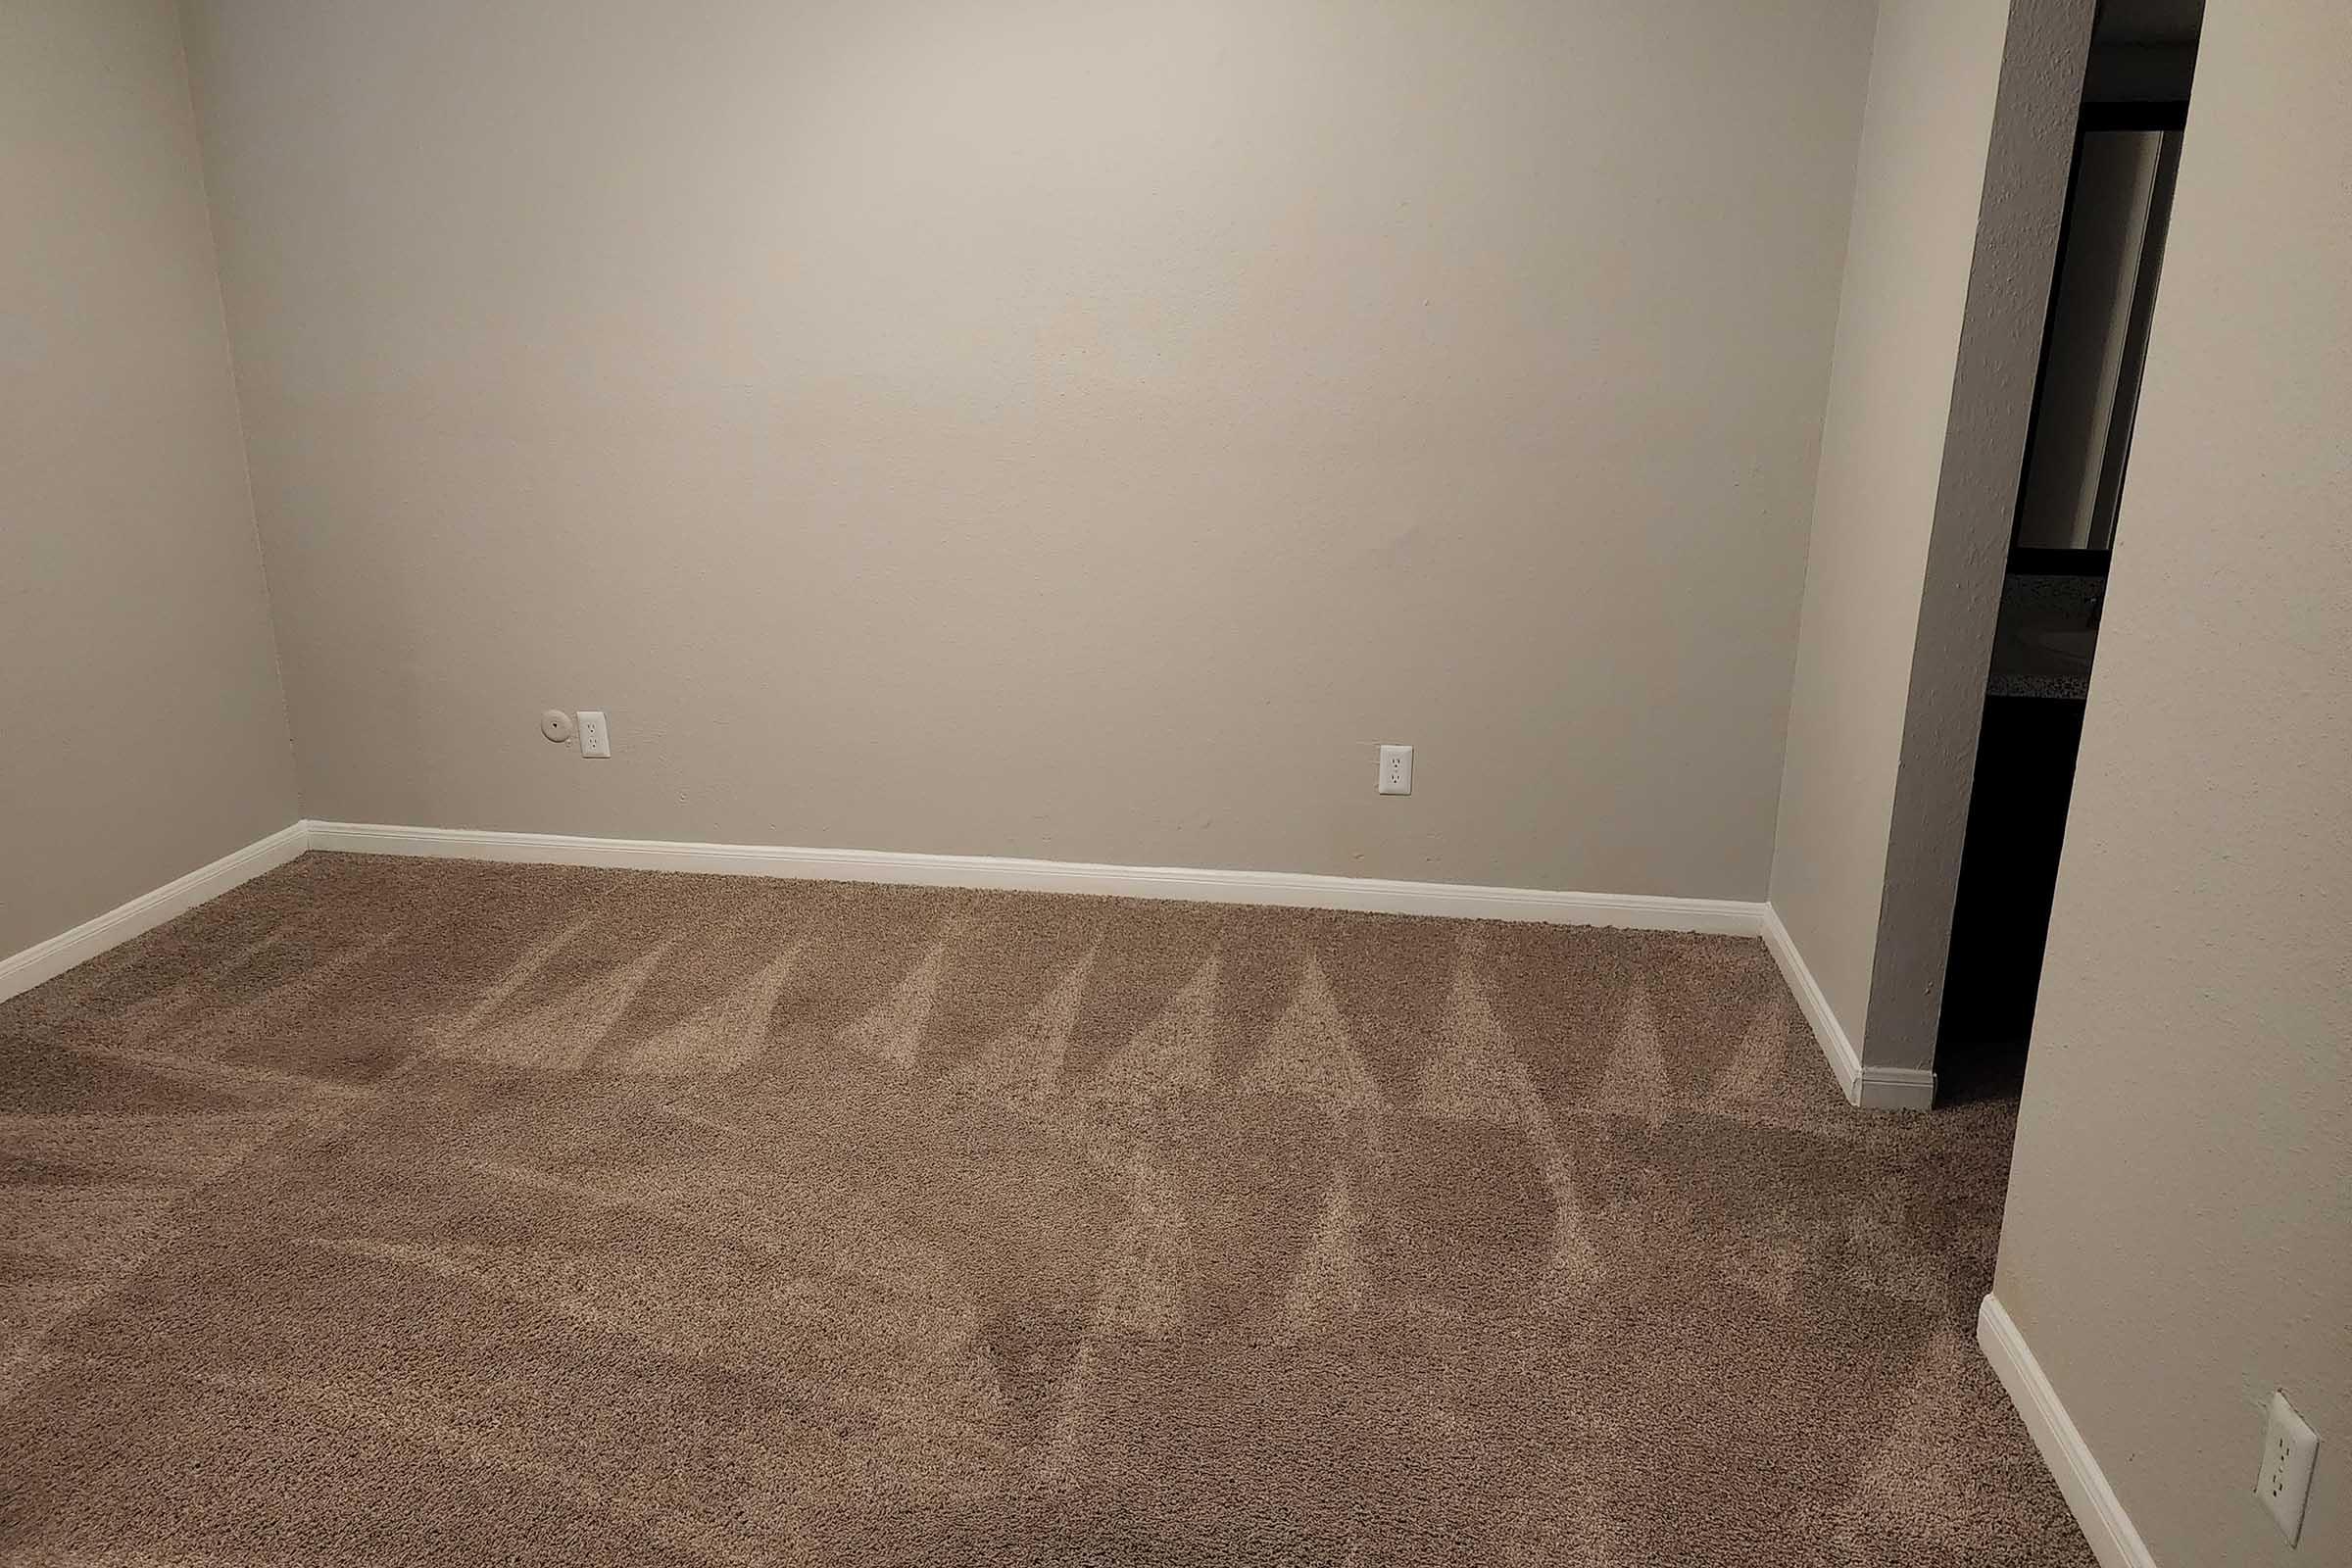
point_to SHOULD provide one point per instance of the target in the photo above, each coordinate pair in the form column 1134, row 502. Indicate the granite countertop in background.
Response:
column 2043, row 643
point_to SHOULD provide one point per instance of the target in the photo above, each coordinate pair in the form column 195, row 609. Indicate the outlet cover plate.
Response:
column 2289, row 1448
column 596, row 737
column 1396, row 771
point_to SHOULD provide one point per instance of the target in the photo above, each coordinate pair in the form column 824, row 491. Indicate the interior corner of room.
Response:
column 1863, row 479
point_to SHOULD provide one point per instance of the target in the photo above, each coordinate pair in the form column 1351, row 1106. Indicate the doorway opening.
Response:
column 2063, row 537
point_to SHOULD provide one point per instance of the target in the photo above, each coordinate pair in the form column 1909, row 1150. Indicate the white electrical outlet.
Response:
column 1396, row 771
column 2288, row 1446
column 596, row 738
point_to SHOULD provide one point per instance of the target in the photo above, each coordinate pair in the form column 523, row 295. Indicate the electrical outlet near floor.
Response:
column 1396, row 771
column 2288, row 1446
column 596, row 737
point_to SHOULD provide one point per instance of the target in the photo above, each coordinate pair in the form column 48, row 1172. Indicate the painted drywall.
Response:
column 1962, row 181
column 2179, row 1238
column 1934, row 78
column 144, row 730
column 1079, row 431
column 2019, row 217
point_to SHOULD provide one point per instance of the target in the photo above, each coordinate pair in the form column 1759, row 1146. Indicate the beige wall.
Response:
column 1965, row 148
column 2019, row 217
column 2179, row 1241
column 1047, row 429
column 1926, row 132
column 142, row 732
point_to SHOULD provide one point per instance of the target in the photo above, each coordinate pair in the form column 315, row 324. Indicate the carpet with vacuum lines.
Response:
column 406, row 1211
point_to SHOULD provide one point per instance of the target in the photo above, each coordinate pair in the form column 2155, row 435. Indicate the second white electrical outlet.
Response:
column 1396, row 771
column 2288, row 1446
column 596, row 737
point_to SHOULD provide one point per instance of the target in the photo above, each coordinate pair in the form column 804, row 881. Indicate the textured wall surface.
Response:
column 2009, row 281
column 1934, row 78
column 1074, row 430
column 2178, row 1240
column 142, row 731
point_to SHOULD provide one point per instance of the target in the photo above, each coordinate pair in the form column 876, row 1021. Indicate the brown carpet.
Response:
column 408, row 1211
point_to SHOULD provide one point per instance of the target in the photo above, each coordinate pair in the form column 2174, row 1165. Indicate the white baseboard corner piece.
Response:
column 2113, row 1537
column 45, row 960
column 1870, row 1087
column 1894, row 1089
column 1291, row 889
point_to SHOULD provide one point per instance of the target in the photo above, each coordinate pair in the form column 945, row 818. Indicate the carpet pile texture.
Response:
column 399, row 1211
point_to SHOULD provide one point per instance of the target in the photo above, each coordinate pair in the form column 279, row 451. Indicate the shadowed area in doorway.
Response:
column 389, row 1211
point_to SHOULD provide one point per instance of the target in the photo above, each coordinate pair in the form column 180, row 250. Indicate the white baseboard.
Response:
column 2109, row 1530
column 47, row 960
column 1297, row 890
column 1872, row 1088
column 1895, row 1088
